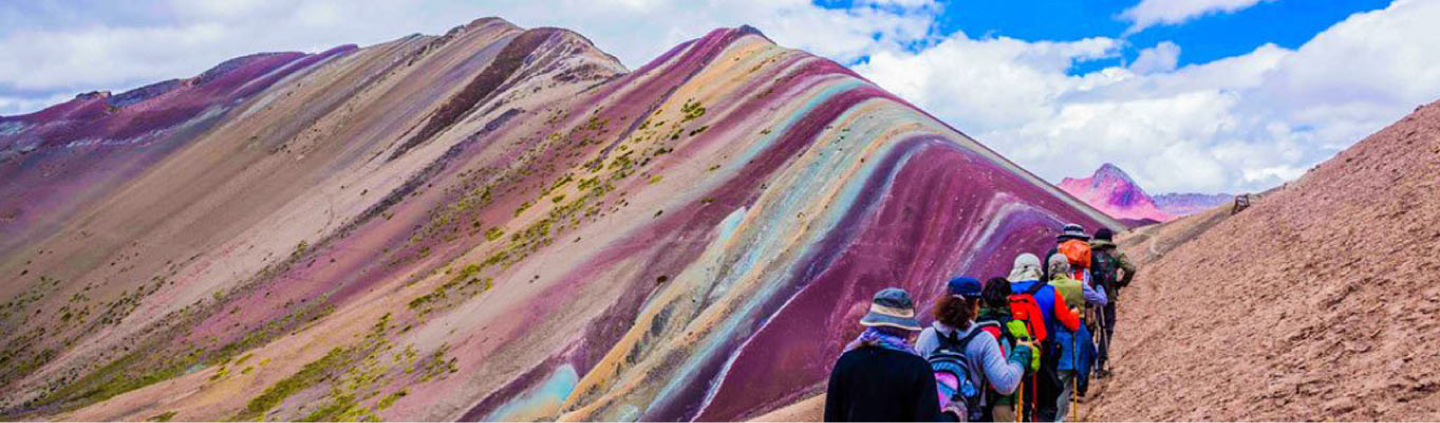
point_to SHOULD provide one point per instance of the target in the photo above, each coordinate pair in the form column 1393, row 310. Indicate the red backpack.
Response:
column 1023, row 307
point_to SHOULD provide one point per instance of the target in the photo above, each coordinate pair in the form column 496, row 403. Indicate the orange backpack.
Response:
column 1078, row 251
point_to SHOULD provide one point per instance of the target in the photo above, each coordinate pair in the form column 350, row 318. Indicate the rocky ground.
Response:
column 1317, row 303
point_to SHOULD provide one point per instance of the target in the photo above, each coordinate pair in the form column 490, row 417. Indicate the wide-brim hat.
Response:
column 1073, row 231
column 892, row 307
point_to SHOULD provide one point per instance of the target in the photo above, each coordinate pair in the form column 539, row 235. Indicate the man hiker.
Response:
column 879, row 377
column 1111, row 270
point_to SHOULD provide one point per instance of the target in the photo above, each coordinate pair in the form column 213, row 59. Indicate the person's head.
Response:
column 1059, row 265
column 1104, row 234
column 1072, row 231
column 996, row 293
column 961, row 302
column 891, row 309
column 1026, row 268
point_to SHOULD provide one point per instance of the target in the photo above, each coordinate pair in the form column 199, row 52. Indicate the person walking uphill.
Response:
column 1025, row 278
column 1076, row 348
column 879, row 377
column 1111, row 270
column 957, row 347
column 998, row 318
column 1071, row 233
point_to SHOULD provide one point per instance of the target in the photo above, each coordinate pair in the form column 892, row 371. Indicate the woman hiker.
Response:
column 990, row 368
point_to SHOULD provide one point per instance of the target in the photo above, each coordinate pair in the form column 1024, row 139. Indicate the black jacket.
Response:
column 873, row 384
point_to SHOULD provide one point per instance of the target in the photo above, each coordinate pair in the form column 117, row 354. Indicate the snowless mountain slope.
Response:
column 495, row 223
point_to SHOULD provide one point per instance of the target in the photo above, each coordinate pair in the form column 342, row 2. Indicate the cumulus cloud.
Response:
column 1161, row 58
column 1150, row 13
column 1242, row 123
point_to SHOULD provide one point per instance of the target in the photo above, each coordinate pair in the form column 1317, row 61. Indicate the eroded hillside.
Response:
column 496, row 223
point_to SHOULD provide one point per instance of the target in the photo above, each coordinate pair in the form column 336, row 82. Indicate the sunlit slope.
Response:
column 505, row 224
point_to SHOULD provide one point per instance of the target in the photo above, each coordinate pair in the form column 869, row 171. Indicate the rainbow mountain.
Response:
column 496, row 223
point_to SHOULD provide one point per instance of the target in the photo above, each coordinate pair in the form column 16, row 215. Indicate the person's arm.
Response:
column 1092, row 295
column 835, row 396
column 1125, row 265
column 1063, row 313
column 1003, row 373
column 927, row 401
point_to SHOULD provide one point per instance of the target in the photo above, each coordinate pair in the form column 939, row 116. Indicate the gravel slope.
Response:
column 1317, row 303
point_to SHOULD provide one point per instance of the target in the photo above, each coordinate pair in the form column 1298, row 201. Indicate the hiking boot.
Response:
column 1101, row 374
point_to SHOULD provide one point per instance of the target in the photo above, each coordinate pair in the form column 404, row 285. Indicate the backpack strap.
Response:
column 1035, row 288
column 957, row 344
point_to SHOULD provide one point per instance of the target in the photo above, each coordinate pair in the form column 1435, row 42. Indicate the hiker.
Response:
column 996, row 316
column 1071, row 235
column 1077, row 294
column 966, row 358
column 879, row 377
column 1025, row 280
column 1111, row 270
column 1025, row 313
column 1076, row 347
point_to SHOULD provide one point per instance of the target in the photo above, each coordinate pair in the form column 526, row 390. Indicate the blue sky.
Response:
column 1287, row 24
column 1186, row 95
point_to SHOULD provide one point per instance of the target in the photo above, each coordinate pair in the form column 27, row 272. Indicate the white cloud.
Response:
column 1242, row 123
column 1170, row 12
column 1161, row 58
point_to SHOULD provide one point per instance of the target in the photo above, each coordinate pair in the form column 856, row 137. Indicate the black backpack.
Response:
column 1104, row 270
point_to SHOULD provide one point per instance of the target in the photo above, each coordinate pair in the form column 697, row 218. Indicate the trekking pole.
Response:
column 1020, row 390
column 1075, row 380
column 1074, row 403
column 1020, row 400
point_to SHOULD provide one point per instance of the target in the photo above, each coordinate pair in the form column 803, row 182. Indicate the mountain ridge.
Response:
column 568, row 239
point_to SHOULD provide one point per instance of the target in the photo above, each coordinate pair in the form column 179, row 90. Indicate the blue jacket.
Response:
column 1077, row 350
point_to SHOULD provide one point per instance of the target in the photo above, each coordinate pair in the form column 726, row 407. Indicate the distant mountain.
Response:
column 1190, row 203
column 1112, row 191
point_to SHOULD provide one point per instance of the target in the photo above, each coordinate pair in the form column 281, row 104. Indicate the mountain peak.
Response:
column 1112, row 191
column 1108, row 171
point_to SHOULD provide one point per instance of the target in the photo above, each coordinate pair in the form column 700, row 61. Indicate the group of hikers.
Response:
column 1016, row 348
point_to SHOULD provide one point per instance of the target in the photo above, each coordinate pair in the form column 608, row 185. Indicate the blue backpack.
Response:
column 958, row 393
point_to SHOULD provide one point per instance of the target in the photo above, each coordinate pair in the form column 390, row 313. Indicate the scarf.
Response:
column 1025, row 273
column 883, row 338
